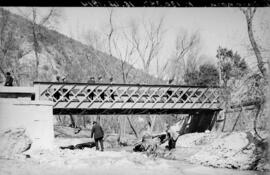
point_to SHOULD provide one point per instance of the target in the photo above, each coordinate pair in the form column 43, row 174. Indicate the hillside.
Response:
column 61, row 55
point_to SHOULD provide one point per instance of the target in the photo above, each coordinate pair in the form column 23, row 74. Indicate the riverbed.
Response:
column 119, row 160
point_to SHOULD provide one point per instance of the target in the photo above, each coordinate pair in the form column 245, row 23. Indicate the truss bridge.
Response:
column 85, row 98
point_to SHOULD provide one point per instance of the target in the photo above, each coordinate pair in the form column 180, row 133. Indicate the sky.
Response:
column 224, row 27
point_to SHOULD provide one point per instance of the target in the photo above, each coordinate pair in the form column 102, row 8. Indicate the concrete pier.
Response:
column 18, row 110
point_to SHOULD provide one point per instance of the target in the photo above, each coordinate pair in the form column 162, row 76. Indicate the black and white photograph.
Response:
column 134, row 90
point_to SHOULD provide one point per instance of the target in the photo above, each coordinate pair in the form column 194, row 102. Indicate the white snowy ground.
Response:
column 199, row 148
column 89, row 161
column 223, row 150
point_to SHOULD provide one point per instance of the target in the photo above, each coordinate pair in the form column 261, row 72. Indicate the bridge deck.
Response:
column 17, row 92
column 83, row 98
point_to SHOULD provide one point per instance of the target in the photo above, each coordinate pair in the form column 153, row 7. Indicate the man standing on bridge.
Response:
column 98, row 133
column 9, row 79
column 92, row 94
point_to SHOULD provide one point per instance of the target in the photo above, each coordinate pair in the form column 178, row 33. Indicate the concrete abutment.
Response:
column 35, row 116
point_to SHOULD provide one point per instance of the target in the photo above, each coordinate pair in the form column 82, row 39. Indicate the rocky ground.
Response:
column 192, row 153
column 68, row 162
column 237, row 150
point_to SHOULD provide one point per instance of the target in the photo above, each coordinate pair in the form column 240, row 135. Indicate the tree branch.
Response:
column 249, row 14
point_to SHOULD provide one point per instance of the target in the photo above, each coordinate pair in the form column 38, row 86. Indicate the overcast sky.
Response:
column 224, row 27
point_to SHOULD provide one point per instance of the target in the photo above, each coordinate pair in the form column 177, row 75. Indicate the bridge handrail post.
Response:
column 37, row 91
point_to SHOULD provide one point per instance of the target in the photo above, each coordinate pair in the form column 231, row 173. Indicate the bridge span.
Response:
column 33, row 107
column 105, row 99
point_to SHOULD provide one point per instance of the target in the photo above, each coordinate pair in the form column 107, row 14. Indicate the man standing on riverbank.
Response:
column 98, row 133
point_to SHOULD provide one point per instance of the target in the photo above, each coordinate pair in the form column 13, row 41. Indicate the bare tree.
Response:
column 111, row 32
column 184, row 57
column 96, row 43
column 39, row 20
column 95, row 40
column 125, row 54
column 132, row 127
column 147, row 46
column 249, row 14
column 185, row 44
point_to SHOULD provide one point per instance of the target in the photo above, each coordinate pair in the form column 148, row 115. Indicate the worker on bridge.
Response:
column 9, row 79
column 92, row 94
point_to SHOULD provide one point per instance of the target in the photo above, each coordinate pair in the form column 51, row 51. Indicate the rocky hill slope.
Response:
column 60, row 55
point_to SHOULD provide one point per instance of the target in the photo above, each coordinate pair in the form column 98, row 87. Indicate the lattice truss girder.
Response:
column 109, row 96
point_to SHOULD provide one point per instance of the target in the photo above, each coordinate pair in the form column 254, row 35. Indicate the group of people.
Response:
column 9, row 79
column 99, row 80
column 91, row 94
column 90, row 80
column 59, row 79
column 170, row 136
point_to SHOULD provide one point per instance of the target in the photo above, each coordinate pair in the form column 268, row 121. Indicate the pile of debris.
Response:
column 152, row 144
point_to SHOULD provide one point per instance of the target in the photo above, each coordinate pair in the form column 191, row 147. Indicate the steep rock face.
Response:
column 13, row 142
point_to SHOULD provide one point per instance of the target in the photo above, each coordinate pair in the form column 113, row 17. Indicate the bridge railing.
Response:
column 128, row 96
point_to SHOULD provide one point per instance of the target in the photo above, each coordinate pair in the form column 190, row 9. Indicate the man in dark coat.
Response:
column 9, row 79
column 98, row 133
column 171, row 140
column 111, row 90
column 102, row 95
column 92, row 94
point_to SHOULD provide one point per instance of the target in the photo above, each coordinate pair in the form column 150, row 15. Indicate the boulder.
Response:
column 13, row 142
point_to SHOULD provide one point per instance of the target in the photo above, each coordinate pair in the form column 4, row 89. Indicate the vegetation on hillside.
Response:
column 57, row 54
